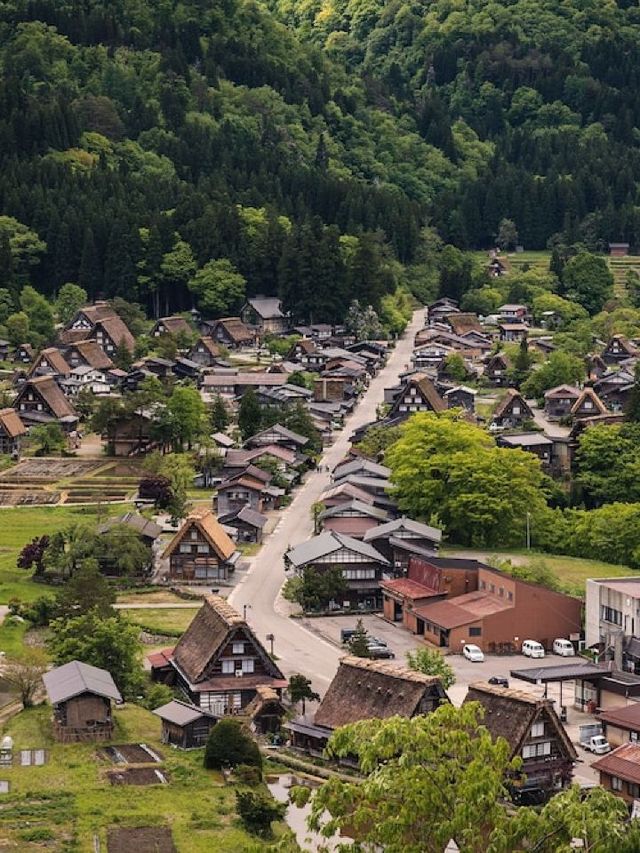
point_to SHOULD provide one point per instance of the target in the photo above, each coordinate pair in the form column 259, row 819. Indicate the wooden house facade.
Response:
column 12, row 430
column 534, row 733
column 219, row 662
column 512, row 411
column 184, row 725
column 41, row 400
column 496, row 369
column 81, row 696
column 201, row 551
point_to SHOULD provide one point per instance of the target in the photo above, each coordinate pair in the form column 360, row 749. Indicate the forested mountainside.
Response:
column 304, row 147
column 551, row 87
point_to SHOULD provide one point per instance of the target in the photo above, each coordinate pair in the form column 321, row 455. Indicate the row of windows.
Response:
column 536, row 750
column 245, row 666
column 492, row 588
column 610, row 614
column 358, row 574
column 633, row 790
column 187, row 548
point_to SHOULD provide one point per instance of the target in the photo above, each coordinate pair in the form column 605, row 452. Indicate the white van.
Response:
column 532, row 649
column 563, row 648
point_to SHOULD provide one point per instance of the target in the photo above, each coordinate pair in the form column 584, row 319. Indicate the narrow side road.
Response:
column 297, row 649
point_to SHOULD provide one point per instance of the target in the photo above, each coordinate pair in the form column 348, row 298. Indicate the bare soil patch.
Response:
column 130, row 753
column 138, row 776
column 142, row 839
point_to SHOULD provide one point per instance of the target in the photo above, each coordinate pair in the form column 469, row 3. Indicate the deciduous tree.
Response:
column 24, row 673
column 431, row 662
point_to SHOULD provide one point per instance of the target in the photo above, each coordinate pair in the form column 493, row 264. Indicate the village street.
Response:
column 297, row 649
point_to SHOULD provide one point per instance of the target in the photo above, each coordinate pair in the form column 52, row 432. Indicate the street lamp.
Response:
column 271, row 638
column 244, row 611
column 528, row 531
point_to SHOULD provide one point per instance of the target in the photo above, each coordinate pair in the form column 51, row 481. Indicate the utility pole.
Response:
column 528, row 531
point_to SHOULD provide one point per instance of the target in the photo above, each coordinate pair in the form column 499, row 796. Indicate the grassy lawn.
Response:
column 571, row 571
column 163, row 619
column 155, row 596
column 65, row 803
column 20, row 525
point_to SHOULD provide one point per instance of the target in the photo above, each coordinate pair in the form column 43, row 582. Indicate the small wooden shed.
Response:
column 81, row 696
column 184, row 725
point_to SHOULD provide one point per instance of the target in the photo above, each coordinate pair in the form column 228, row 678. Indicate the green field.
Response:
column 163, row 619
column 62, row 805
column 572, row 572
column 20, row 525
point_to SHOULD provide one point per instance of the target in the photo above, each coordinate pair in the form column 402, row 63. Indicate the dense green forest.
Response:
column 173, row 152
column 550, row 87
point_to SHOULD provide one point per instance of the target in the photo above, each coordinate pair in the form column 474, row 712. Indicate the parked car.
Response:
column 473, row 653
column 499, row 680
column 377, row 641
column 532, row 649
column 346, row 635
column 379, row 652
column 563, row 647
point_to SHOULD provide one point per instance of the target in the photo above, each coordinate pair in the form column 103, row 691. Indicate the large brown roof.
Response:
column 623, row 762
column 509, row 398
column 93, row 355
column 461, row 323
column 206, row 635
column 429, row 392
column 408, row 588
column 627, row 717
column 235, row 329
column 174, row 325
column 51, row 393
column 510, row 713
column 98, row 311
column 364, row 689
column 55, row 359
column 11, row 423
column 118, row 332
column 470, row 607
column 212, row 531
column 590, row 394
column 209, row 344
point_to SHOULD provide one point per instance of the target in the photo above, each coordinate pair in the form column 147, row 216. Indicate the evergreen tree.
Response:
column 219, row 415
column 122, row 357
column 249, row 415
column 358, row 644
column 90, row 272
column 633, row 406
column 120, row 274
column 522, row 363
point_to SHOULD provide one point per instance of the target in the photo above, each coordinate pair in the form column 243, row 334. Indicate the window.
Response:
column 483, row 584
column 516, row 410
column 510, row 596
column 185, row 548
column 537, row 730
column 237, row 700
column 501, row 592
column 358, row 574
column 616, row 784
column 475, row 632
column 247, row 665
column 202, row 549
column 193, row 534
column 633, row 736
column 492, row 587
column 238, row 648
column 633, row 790
column 228, row 667
column 610, row 614
column 536, row 750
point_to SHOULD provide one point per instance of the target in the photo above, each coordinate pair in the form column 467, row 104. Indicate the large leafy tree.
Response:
column 71, row 297
column 561, row 368
column 109, row 643
column 219, row 287
column 431, row 662
column 428, row 780
column 607, row 464
column 587, row 280
column 444, row 468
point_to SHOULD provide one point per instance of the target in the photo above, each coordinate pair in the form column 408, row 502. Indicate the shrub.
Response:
column 157, row 695
column 246, row 774
column 229, row 745
column 257, row 811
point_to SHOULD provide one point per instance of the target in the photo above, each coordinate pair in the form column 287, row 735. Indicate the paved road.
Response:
column 299, row 650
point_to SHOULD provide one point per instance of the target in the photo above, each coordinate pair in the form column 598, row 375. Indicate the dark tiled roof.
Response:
column 72, row 679
column 623, row 762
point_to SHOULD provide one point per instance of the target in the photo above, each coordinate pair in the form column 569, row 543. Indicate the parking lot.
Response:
column 401, row 641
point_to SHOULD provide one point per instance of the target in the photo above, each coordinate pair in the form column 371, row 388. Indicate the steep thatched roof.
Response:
column 510, row 713
column 11, row 423
column 212, row 531
column 364, row 689
column 54, row 359
column 214, row 624
column 92, row 354
column 51, row 393
column 512, row 396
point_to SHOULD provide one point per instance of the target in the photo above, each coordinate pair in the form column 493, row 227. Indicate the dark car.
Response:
column 499, row 680
column 380, row 652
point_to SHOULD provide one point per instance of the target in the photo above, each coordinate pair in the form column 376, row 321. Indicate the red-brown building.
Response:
column 620, row 772
column 494, row 610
